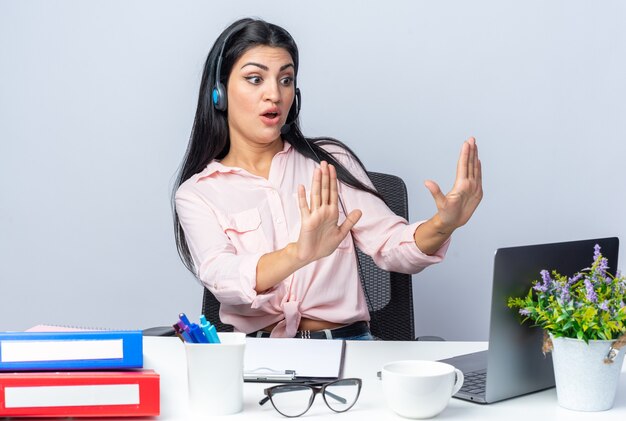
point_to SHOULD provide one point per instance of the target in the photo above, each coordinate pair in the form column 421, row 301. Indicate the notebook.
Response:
column 514, row 364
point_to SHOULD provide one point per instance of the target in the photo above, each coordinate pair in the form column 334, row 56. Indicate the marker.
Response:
column 209, row 330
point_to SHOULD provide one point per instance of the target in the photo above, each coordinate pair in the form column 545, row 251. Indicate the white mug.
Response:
column 418, row 388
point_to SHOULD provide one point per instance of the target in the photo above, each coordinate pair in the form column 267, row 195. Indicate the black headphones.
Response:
column 218, row 95
column 220, row 102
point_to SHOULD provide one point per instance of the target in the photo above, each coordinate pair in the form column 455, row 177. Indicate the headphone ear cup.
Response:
column 220, row 102
column 298, row 101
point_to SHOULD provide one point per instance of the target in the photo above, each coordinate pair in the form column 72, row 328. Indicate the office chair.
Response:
column 389, row 295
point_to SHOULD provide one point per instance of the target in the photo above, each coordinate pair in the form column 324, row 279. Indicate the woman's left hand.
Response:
column 455, row 208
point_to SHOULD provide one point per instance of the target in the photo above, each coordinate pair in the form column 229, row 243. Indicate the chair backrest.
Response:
column 389, row 295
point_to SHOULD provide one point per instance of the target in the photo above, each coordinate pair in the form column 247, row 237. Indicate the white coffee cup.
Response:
column 215, row 376
column 418, row 388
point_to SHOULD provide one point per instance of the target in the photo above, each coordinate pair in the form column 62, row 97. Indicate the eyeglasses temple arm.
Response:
column 335, row 397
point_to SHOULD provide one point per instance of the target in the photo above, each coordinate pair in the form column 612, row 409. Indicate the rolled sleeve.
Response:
column 409, row 257
column 386, row 237
column 231, row 278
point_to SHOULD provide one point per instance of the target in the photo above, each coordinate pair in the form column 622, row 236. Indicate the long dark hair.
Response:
column 210, row 138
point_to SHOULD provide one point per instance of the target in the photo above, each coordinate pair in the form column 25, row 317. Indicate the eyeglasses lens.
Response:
column 292, row 400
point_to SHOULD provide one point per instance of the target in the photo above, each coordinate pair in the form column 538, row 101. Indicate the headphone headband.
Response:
column 218, row 95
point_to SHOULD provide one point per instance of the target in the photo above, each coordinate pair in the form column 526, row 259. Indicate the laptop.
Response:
column 514, row 364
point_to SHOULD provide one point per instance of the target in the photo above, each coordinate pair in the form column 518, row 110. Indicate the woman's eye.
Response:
column 254, row 79
column 286, row 81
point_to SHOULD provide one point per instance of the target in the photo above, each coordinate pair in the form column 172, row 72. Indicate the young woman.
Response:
column 278, row 258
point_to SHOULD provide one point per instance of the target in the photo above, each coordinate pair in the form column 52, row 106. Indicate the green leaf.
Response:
column 562, row 317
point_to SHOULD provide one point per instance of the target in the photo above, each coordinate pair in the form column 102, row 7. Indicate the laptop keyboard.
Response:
column 474, row 382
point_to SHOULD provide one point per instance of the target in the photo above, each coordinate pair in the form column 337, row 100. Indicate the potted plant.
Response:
column 584, row 317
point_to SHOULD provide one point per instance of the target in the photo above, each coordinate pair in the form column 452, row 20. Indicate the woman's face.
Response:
column 260, row 93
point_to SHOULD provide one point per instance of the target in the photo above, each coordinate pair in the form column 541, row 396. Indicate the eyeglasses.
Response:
column 293, row 400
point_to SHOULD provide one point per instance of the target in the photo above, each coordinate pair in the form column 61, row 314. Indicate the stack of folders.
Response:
column 76, row 374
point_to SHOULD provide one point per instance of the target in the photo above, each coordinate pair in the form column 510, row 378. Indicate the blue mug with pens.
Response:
column 214, row 367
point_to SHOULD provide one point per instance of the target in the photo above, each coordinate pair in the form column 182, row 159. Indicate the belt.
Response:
column 355, row 329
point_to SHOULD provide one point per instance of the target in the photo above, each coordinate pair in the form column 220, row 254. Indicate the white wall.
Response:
column 97, row 100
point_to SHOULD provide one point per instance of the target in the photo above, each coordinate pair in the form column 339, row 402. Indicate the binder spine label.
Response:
column 64, row 350
column 59, row 396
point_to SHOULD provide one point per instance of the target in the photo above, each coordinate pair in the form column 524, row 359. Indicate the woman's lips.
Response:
column 270, row 119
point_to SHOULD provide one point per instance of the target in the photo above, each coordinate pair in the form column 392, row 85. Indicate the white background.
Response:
column 97, row 100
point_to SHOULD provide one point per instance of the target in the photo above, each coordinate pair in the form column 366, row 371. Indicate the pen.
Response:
column 193, row 330
column 267, row 374
column 184, row 331
column 196, row 333
column 183, row 318
column 209, row 330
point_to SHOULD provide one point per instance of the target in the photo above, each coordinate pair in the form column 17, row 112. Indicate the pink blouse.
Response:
column 231, row 218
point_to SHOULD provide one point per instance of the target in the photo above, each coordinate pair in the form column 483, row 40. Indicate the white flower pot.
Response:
column 584, row 382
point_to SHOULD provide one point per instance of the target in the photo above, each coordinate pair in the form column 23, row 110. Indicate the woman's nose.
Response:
column 272, row 92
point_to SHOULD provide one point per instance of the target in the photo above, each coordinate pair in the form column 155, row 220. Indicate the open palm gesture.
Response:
column 455, row 208
column 320, row 233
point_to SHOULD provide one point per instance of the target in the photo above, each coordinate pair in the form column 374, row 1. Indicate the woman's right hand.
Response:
column 319, row 233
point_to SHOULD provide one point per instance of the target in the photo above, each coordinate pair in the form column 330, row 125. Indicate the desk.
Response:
column 363, row 359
